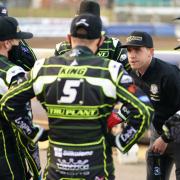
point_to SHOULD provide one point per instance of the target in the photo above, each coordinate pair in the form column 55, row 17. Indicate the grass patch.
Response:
column 43, row 12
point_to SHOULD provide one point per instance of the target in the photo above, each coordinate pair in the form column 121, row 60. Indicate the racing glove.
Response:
column 171, row 129
column 119, row 114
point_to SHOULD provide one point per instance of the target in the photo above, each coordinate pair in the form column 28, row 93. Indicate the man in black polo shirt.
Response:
column 161, row 82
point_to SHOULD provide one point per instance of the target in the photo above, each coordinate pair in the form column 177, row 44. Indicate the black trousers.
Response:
column 159, row 166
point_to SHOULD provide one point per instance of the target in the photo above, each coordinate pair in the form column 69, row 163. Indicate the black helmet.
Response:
column 90, row 7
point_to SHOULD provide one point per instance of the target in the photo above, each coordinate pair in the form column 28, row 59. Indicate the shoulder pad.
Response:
column 12, row 72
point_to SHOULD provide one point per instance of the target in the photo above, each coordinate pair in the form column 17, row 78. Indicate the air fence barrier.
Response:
column 59, row 27
column 155, row 29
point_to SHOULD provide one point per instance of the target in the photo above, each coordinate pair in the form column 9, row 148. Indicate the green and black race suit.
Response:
column 15, row 151
column 109, row 49
column 78, row 90
column 23, row 56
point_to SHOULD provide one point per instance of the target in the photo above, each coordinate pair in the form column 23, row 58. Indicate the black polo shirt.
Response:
column 161, row 82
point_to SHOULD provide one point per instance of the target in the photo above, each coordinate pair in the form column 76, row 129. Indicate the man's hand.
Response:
column 159, row 146
column 41, row 134
column 171, row 128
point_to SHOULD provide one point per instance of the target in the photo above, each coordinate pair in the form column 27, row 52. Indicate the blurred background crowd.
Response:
column 122, row 10
column 119, row 16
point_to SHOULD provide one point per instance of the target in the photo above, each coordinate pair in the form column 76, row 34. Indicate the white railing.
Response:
column 169, row 56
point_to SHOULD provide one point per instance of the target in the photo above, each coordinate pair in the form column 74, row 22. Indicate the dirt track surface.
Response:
column 160, row 43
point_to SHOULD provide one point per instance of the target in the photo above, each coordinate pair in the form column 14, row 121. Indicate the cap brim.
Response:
column 176, row 48
column 178, row 18
column 24, row 35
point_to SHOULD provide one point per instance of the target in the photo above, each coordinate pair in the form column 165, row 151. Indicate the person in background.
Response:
column 161, row 82
column 22, row 55
column 109, row 48
column 78, row 90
